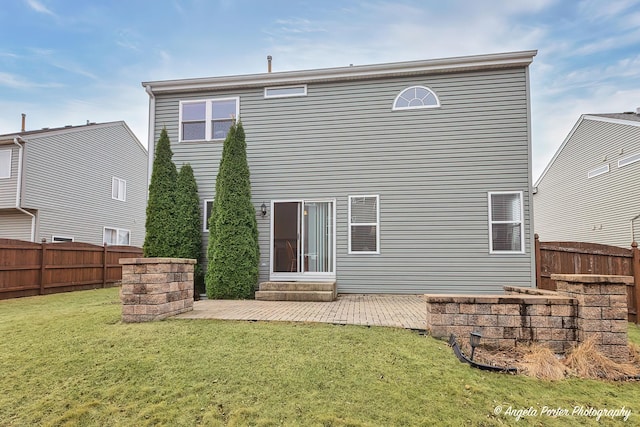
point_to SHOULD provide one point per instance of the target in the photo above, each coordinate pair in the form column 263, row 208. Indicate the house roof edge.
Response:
column 359, row 72
column 593, row 117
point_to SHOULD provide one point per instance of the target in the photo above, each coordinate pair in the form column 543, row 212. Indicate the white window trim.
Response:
column 377, row 224
column 115, row 184
column 600, row 170
column 10, row 151
column 521, row 222
column 207, row 116
column 205, row 222
column 417, row 107
column 629, row 160
column 118, row 230
column 67, row 238
column 290, row 95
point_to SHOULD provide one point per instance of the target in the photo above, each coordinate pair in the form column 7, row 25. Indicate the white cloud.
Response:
column 18, row 82
column 128, row 39
column 39, row 7
column 597, row 10
column 298, row 26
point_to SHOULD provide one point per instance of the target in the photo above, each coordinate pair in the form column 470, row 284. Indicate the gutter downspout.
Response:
column 19, row 188
column 151, row 146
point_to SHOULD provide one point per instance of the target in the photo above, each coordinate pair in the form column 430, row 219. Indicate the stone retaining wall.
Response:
column 584, row 305
column 505, row 320
column 602, row 310
column 155, row 288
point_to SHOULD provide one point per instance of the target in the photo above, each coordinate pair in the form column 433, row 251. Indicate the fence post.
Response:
column 104, row 266
column 43, row 255
column 635, row 268
column 538, row 260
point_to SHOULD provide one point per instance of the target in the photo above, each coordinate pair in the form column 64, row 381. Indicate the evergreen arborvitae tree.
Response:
column 188, row 223
column 160, row 238
column 233, row 253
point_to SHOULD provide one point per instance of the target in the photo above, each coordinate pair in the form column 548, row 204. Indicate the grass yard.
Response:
column 67, row 359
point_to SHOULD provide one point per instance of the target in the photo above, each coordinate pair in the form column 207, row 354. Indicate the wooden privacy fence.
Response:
column 28, row 268
column 589, row 258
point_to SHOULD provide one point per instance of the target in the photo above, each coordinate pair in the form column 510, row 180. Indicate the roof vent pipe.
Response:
column 24, row 122
column 269, row 58
column 638, row 111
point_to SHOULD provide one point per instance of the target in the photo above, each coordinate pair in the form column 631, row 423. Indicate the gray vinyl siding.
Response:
column 14, row 225
column 571, row 207
column 432, row 169
column 8, row 186
column 68, row 179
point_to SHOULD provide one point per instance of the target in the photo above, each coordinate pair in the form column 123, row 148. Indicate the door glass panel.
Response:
column 318, row 232
column 285, row 237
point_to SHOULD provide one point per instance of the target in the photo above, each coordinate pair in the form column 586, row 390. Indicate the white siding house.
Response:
column 77, row 183
column 408, row 177
column 590, row 191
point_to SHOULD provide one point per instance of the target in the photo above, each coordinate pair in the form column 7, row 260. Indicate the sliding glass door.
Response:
column 303, row 240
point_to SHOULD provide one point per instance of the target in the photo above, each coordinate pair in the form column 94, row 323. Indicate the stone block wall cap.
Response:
column 529, row 291
column 157, row 261
column 526, row 299
column 592, row 278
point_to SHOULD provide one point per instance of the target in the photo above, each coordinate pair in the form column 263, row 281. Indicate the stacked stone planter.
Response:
column 602, row 310
column 583, row 306
column 156, row 288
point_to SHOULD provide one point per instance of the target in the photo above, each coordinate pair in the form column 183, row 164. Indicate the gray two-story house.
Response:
column 590, row 191
column 76, row 183
column 407, row 177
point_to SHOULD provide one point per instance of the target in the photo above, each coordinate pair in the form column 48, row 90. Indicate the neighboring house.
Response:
column 77, row 183
column 590, row 191
column 406, row 177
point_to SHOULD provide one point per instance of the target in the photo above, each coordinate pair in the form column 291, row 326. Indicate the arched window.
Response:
column 416, row 97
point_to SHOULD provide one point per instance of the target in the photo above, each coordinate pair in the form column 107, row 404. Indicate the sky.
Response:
column 63, row 62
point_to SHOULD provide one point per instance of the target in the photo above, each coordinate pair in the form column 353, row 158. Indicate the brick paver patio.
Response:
column 400, row 311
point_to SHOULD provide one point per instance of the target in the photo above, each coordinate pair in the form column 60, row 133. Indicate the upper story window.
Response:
column 285, row 91
column 118, row 189
column 416, row 97
column 5, row 163
column 506, row 228
column 209, row 119
column 598, row 171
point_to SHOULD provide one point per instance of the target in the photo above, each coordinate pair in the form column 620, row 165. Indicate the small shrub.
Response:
column 542, row 363
column 586, row 361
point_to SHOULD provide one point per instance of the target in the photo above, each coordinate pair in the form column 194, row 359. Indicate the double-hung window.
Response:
column 118, row 189
column 364, row 225
column 208, row 119
column 506, row 227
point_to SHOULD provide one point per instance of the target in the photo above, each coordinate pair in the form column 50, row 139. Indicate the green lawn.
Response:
column 68, row 360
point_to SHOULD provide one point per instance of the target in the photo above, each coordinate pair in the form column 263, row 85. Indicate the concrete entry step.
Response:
column 320, row 296
column 297, row 291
